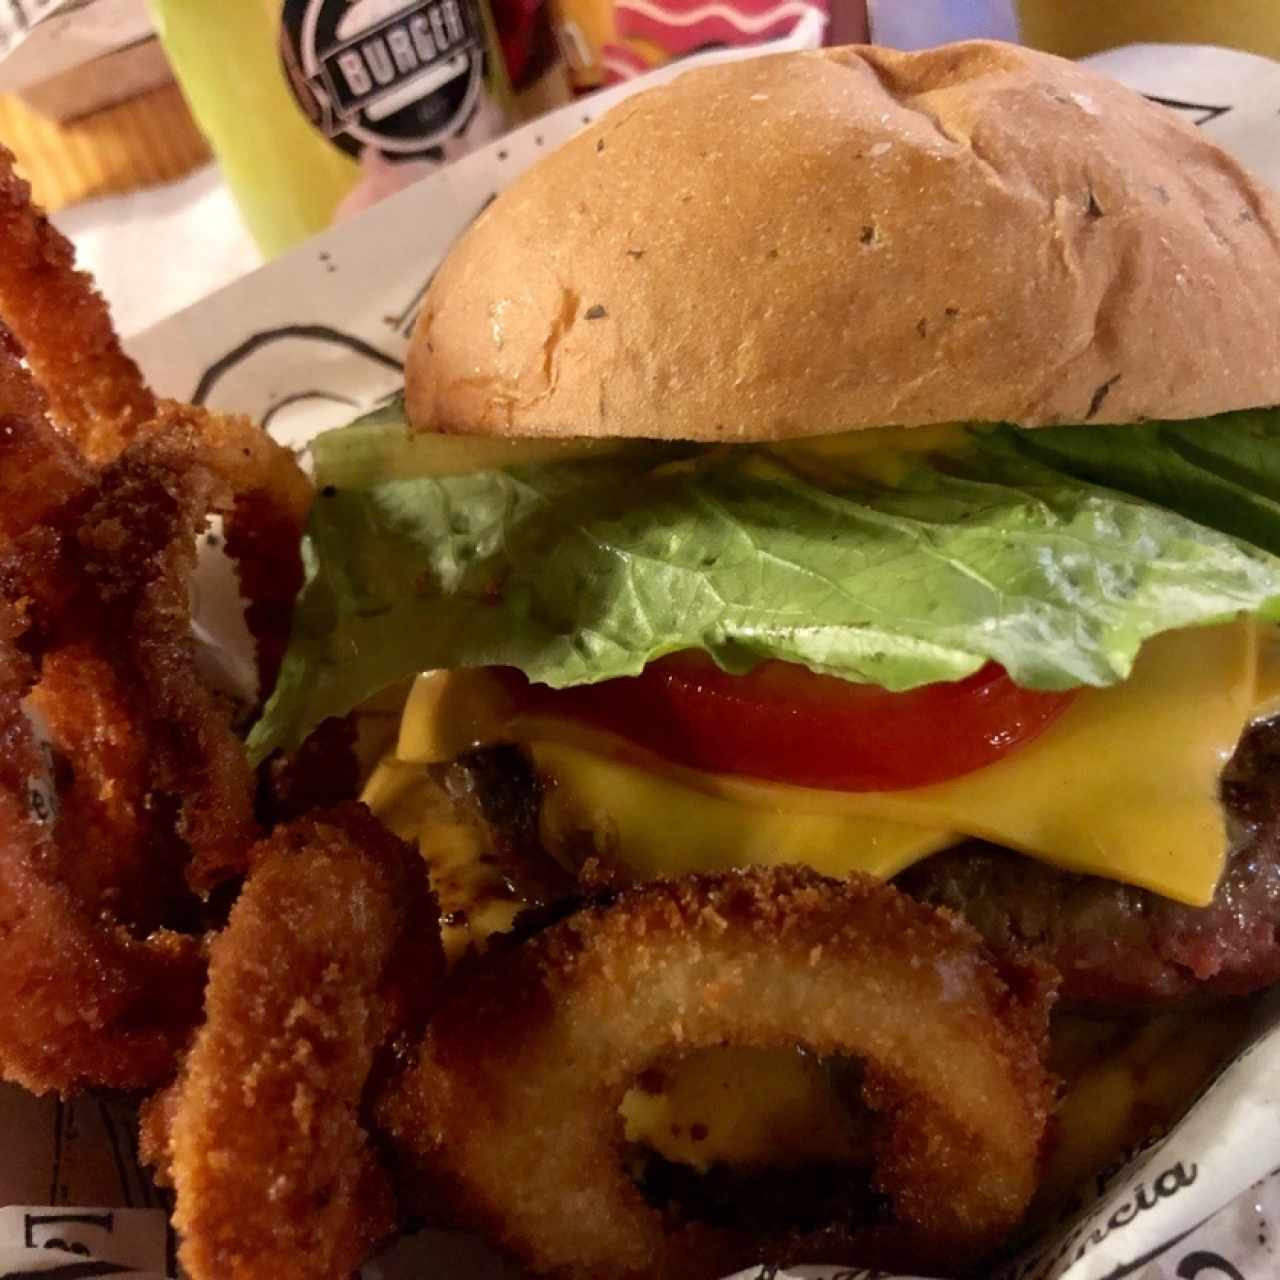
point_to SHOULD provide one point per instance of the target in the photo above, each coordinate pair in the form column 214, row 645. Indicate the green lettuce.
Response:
column 1055, row 553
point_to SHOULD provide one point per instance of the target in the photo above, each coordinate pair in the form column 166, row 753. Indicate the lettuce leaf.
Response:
column 1055, row 553
column 1221, row 472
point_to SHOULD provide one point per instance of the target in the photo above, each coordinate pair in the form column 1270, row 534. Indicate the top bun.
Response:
column 809, row 243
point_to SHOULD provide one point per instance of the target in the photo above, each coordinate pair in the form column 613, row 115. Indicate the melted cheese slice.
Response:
column 475, row 899
column 745, row 1106
column 657, row 823
column 1123, row 785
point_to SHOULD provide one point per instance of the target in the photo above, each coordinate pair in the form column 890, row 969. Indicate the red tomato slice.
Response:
column 783, row 723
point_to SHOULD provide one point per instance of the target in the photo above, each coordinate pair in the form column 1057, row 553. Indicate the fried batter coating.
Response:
column 120, row 554
column 509, row 1120
column 127, row 794
column 262, row 524
column 145, row 800
column 102, row 765
column 101, row 403
column 263, row 527
column 145, row 794
column 95, row 391
column 81, row 998
column 321, row 980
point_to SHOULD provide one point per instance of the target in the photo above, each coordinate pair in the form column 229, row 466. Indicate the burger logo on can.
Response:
column 382, row 74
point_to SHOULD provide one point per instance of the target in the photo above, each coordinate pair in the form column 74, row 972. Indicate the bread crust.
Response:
column 809, row 243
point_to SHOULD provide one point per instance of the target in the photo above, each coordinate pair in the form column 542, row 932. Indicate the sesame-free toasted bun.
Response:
column 808, row 243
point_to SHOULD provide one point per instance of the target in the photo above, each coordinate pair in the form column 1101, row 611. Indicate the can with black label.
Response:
column 317, row 107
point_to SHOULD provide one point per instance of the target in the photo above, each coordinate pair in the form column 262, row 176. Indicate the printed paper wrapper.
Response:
column 316, row 336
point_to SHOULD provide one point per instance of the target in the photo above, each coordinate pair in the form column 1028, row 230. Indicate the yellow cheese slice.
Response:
column 448, row 712
column 655, row 823
column 1124, row 785
column 475, row 899
column 745, row 1106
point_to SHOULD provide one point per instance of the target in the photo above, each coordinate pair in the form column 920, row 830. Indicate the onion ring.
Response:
column 508, row 1121
column 323, row 975
column 95, row 391
column 263, row 526
column 144, row 803
column 96, row 986
column 101, row 403
column 81, row 999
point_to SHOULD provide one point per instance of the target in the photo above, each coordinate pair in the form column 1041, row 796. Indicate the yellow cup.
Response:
column 301, row 99
column 1077, row 27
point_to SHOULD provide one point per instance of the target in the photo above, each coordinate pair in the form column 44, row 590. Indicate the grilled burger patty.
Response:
column 1114, row 944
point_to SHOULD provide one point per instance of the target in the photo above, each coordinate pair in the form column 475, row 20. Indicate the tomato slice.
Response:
column 783, row 723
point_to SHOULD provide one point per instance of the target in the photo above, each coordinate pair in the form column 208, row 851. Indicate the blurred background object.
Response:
column 318, row 108
column 150, row 139
column 536, row 69
column 350, row 100
column 917, row 24
column 295, row 95
column 42, row 41
column 605, row 41
column 1078, row 27
column 88, row 102
column 848, row 23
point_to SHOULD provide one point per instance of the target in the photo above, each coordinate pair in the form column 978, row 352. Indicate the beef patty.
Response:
column 1117, row 945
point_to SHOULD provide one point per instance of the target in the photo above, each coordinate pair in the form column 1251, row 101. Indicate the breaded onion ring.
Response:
column 321, row 977
column 509, row 1120
column 81, row 997
column 263, row 525
column 145, row 792
column 104, row 575
column 100, row 402
column 126, row 795
column 95, row 391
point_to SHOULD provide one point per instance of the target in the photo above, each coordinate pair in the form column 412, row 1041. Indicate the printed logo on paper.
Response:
column 395, row 77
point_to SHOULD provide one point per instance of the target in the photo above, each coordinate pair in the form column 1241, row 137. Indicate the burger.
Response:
column 856, row 459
